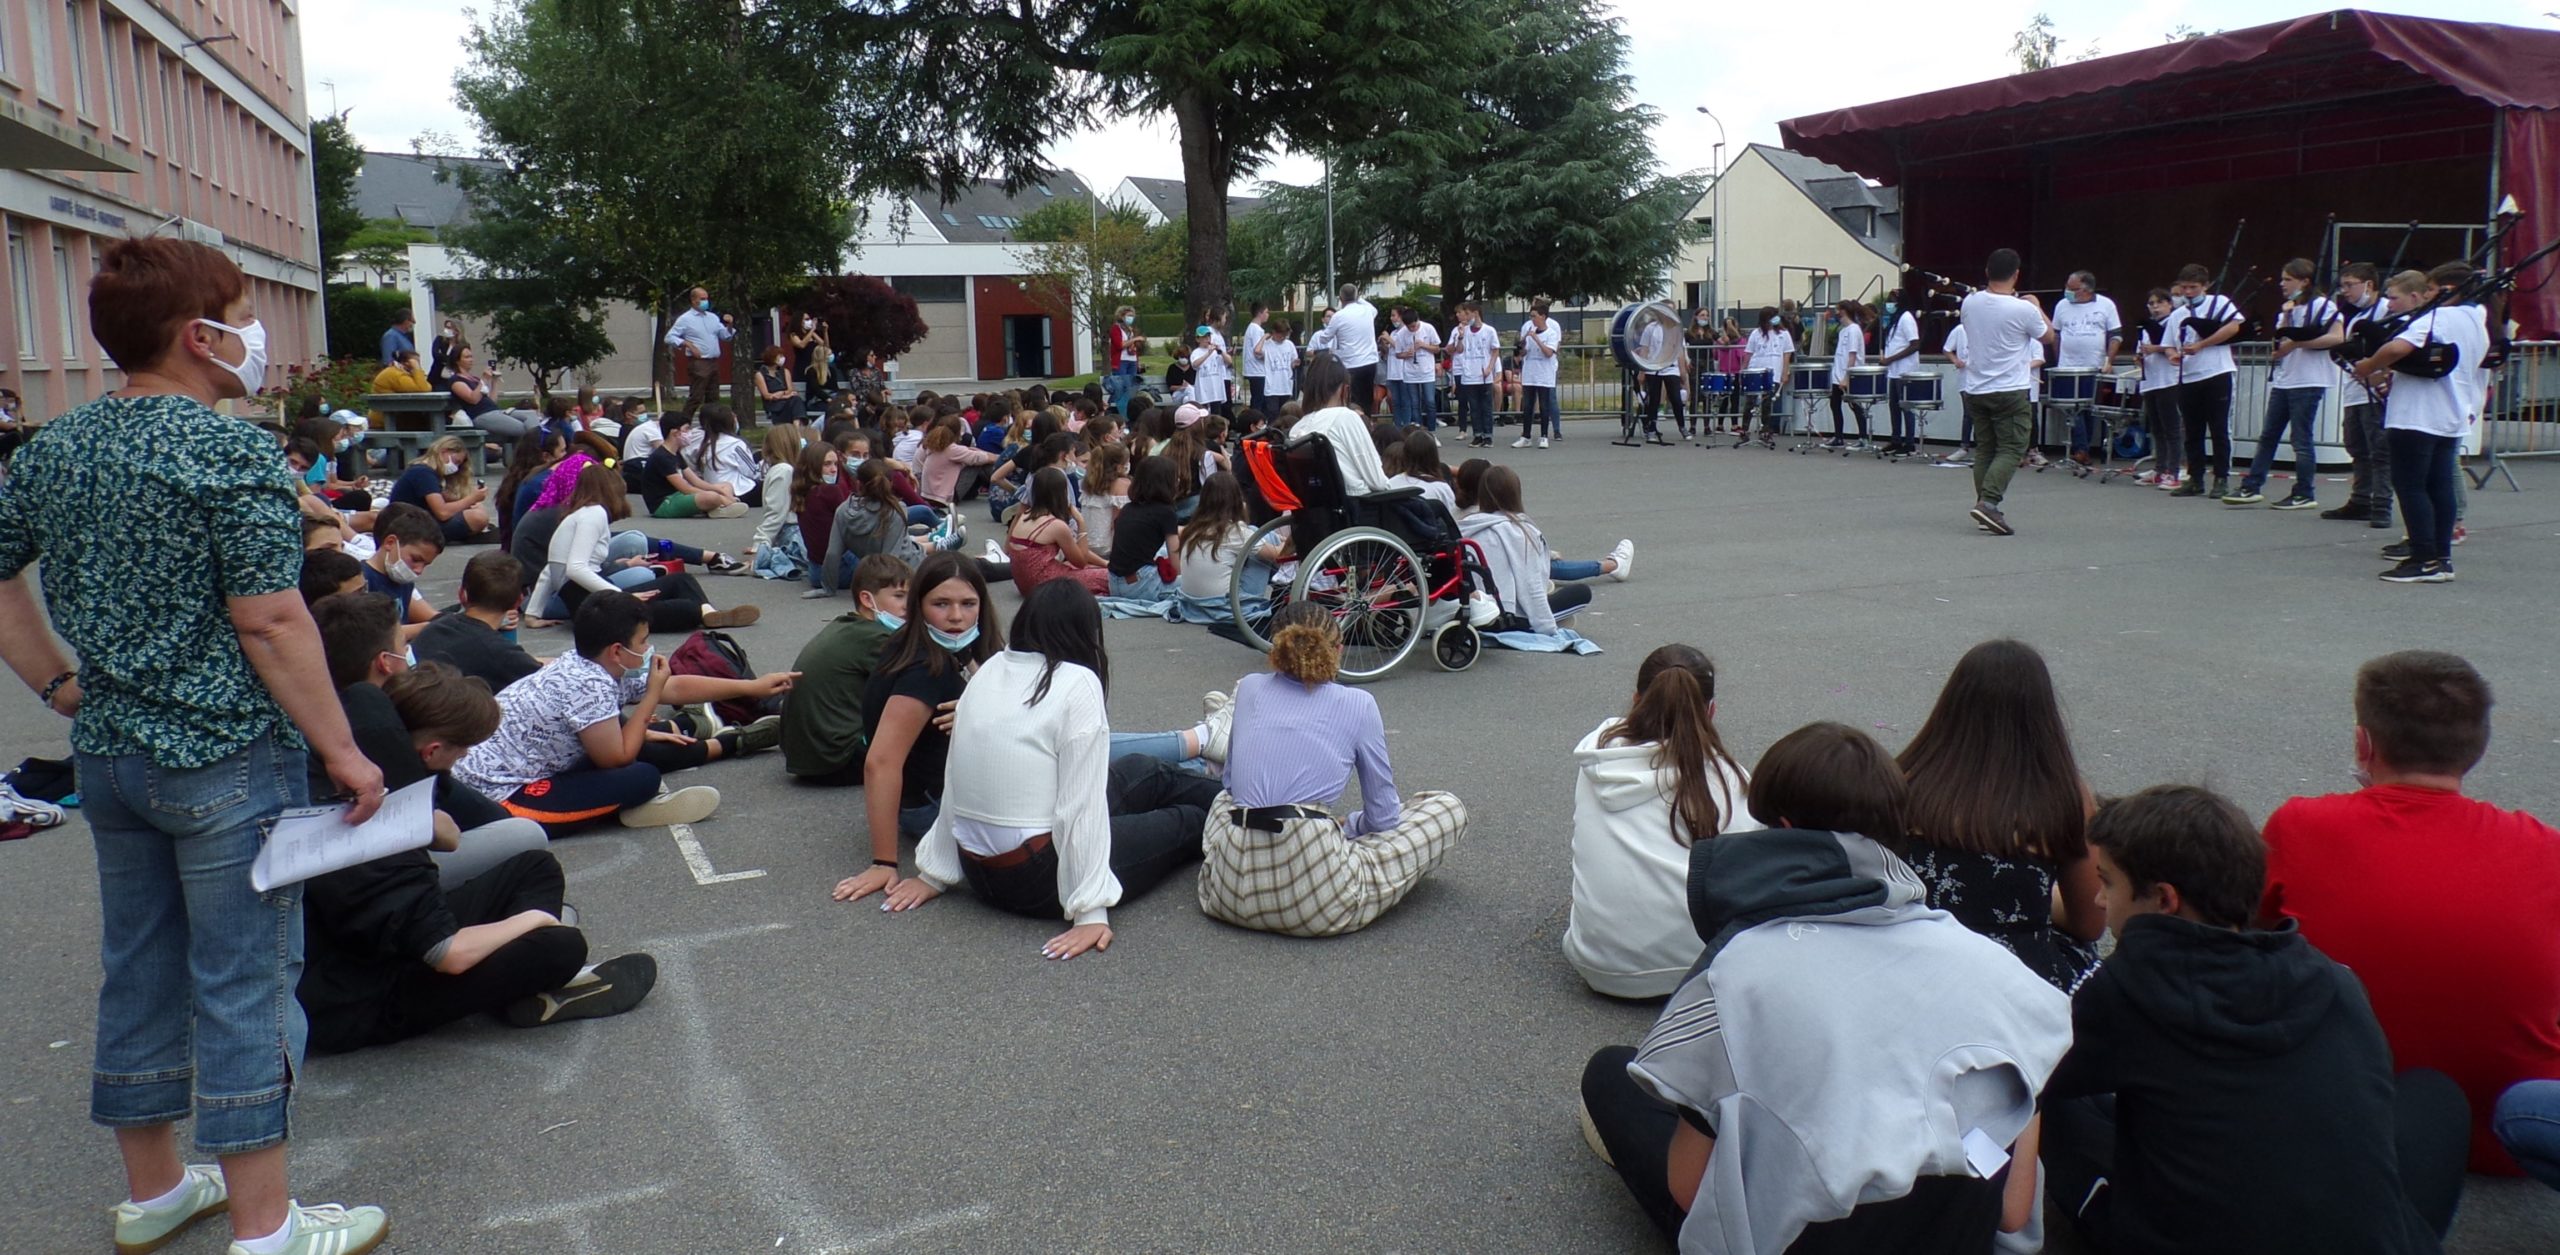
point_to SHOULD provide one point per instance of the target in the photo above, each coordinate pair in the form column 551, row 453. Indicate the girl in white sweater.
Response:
column 1648, row 786
column 1036, row 815
column 578, row 556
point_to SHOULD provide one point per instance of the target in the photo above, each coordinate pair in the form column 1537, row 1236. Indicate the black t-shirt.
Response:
column 377, row 582
column 663, row 465
column 923, row 776
column 531, row 546
column 1143, row 528
column 473, row 648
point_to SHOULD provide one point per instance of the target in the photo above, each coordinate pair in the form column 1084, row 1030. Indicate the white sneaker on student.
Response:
column 690, row 805
column 1220, row 711
column 1542, row 442
column 1521, row 443
column 1625, row 556
column 141, row 1228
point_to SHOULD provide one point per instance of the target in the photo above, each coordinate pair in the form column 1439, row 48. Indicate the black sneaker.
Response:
column 2411, row 571
column 2397, row 550
column 1988, row 517
column 2355, row 512
column 2191, row 488
column 2379, row 520
column 2221, row 487
column 610, row 988
column 2439, row 571
column 2295, row 503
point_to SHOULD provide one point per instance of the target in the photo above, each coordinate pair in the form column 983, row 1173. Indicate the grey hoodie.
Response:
column 1838, row 1036
column 858, row 531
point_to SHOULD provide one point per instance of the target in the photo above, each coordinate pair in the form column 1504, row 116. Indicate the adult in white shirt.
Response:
column 2088, row 329
column 1412, row 365
column 1475, row 357
column 2306, row 329
column 2425, row 419
column 2005, row 332
column 1250, row 364
column 2207, row 324
column 1638, row 808
column 1848, row 352
column 1901, row 357
column 1351, row 336
column 1540, row 337
column 698, row 335
column 1770, row 347
column 1036, row 815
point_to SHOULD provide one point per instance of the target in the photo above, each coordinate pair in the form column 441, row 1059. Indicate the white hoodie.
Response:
column 1516, row 556
column 1629, row 933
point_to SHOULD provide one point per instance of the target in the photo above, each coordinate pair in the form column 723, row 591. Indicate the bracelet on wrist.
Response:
column 54, row 686
column 890, row 863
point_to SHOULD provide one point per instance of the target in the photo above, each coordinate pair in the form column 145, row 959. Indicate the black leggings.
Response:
column 1839, row 396
column 676, row 608
column 1158, row 812
column 1656, row 387
column 421, row 999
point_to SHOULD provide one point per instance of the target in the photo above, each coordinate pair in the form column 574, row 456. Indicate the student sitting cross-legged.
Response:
column 2227, row 1088
column 822, row 737
column 395, row 949
column 565, row 754
column 1846, row 1070
column 473, row 638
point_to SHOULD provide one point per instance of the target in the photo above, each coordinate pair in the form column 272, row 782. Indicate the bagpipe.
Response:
column 2435, row 360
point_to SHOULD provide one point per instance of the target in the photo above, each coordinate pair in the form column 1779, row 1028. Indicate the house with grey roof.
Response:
column 961, row 261
column 1792, row 228
column 1162, row 200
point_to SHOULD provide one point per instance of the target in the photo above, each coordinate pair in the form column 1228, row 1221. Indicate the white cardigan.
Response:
column 1043, row 767
column 1629, row 934
column 777, row 506
column 577, row 556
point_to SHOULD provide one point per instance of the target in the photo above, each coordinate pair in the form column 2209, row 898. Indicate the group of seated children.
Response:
column 2295, row 1043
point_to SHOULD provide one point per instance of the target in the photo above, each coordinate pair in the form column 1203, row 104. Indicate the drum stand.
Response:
column 1627, row 410
column 1810, row 440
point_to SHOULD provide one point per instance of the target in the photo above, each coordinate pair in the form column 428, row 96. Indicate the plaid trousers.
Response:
column 1307, row 880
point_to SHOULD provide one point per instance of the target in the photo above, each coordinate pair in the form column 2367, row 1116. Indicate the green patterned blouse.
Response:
column 147, row 513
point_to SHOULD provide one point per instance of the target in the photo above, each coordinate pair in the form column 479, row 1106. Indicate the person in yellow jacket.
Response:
column 402, row 375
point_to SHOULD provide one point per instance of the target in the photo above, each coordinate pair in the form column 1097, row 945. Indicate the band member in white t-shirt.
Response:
column 2088, row 330
column 1848, row 351
column 1475, row 358
column 1540, row 337
column 2152, row 342
column 1901, row 357
column 2360, row 427
column 1279, row 366
column 1249, row 363
column 2202, row 353
column 2425, row 418
column 2298, row 382
column 1953, row 349
column 1657, row 340
column 1412, row 366
column 1769, row 347
column 2005, row 332
column 1215, row 366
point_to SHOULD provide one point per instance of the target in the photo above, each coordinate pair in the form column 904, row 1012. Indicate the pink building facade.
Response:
column 125, row 117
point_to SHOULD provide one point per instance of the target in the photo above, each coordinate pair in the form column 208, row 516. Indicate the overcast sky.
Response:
column 390, row 64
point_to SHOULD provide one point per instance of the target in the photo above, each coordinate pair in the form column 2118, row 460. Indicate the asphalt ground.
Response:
column 812, row 1076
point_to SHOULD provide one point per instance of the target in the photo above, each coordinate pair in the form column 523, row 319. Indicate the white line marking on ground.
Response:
column 699, row 863
column 556, row 1213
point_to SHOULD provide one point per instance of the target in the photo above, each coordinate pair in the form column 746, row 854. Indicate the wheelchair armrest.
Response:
column 1389, row 497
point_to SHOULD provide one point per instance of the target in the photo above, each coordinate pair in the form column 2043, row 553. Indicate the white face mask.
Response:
column 452, row 466
column 252, row 370
column 400, row 571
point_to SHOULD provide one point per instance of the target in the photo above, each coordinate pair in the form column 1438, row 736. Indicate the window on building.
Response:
column 933, row 289
column 40, row 49
column 22, row 294
column 79, row 61
column 118, row 41
column 1706, row 226
column 65, row 287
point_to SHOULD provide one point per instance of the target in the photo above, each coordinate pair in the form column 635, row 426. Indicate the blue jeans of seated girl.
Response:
column 1164, row 747
column 197, row 1011
column 2527, row 1122
column 1573, row 569
column 1146, row 585
column 623, row 547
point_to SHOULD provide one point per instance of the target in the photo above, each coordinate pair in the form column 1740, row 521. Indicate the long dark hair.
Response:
column 910, row 646
column 523, row 460
column 1323, row 377
column 1049, row 499
column 717, row 421
column 1992, row 771
column 1675, row 691
column 1061, row 622
column 1221, row 508
column 871, row 480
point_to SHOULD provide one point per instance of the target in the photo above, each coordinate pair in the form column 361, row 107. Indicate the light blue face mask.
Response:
column 950, row 642
column 316, row 475
column 888, row 620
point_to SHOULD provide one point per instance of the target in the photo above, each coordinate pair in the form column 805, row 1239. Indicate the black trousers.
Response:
column 2369, row 487
column 2204, row 407
column 1839, row 397
column 1656, row 387
column 676, row 608
column 1364, row 387
column 2431, row 1123
column 423, row 999
column 1158, row 812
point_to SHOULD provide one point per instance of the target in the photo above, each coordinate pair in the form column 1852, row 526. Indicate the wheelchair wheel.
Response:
column 1457, row 645
column 1376, row 589
column 1253, row 612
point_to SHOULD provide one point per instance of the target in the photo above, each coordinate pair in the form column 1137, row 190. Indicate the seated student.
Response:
column 329, row 572
column 581, row 552
column 1276, row 858
column 2253, row 1106
column 724, row 459
column 822, row 715
column 1043, row 543
column 2527, row 1123
column 1747, row 1120
column 1037, row 816
column 1107, row 489
column 672, row 490
column 949, row 468
column 469, row 639
column 818, row 485
column 406, row 541
column 870, row 520
column 566, row 755
column 783, row 447
column 1516, row 554
column 1418, row 466
column 1212, row 544
column 1649, row 785
column 1142, row 530
column 440, row 484
column 1997, row 808
column 1328, row 387
column 529, row 466
column 395, row 951
column 310, row 460
column 2448, row 909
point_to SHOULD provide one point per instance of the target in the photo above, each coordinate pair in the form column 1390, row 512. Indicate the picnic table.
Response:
column 411, row 422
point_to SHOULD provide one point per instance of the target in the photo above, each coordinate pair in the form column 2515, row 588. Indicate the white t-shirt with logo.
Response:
column 1252, row 367
column 2438, row 407
column 1279, row 368
column 1768, row 348
column 2158, row 372
column 1477, row 352
column 1538, row 370
column 1905, row 333
column 2004, row 337
column 2301, row 367
column 1650, row 342
column 2084, row 328
column 2205, row 315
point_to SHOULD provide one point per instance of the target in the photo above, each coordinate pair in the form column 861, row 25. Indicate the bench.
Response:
column 412, row 421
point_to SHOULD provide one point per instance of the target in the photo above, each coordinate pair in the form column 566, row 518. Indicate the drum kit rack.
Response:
column 1922, row 391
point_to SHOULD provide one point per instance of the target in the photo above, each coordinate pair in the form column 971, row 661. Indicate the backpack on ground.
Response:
column 717, row 655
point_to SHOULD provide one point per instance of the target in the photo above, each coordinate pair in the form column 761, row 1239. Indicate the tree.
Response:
column 651, row 145
column 382, row 245
column 336, row 159
column 863, row 315
column 2036, row 47
column 1553, row 187
column 1241, row 79
column 1081, row 261
column 548, row 337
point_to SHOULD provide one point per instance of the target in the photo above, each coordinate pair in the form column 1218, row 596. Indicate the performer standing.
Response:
column 1475, row 357
column 1655, row 342
column 1413, row 353
column 1213, row 367
column 1848, row 350
column 1771, row 348
column 1251, row 365
column 2005, row 332
column 1539, row 339
column 1126, row 345
column 2090, row 330
column 2306, row 329
column 2202, row 353
column 2368, row 449
column 1351, row 335
column 2152, row 344
column 2425, row 417
column 1901, row 357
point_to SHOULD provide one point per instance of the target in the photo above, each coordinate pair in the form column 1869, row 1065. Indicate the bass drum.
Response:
column 1627, row 333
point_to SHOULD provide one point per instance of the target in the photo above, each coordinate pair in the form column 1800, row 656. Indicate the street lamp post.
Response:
column 1328, row 230
column 1716, row 231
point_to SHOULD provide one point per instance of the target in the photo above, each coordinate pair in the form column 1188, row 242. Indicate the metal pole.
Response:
column 1328, row 231
column 1716, row 238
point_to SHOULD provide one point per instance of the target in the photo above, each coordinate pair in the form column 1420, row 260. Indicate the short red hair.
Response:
column 146, row 289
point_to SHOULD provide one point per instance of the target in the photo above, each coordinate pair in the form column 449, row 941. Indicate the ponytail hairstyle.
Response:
column 1468, row 483
column 1674, row 711
column 1306, row 644
column 871, row 480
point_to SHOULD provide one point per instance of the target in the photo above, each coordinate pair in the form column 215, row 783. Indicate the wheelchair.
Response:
column 1374, row 563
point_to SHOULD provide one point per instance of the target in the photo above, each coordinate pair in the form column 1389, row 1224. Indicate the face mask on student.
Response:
column 646, row 656
column 252, row 370
column 829, row 478
column 316, row 475
column 951, row 642
column 452, row 466
column 888, row 620
column 344, row 443
column 399, row 571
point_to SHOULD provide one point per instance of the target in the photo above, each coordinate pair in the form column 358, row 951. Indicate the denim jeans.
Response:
column 2299, row 410
column 1573, row 569
column 1147, row 584
column 1475, row 409
column 1117, row 385
column 1413, row 404
column 2527, row 1122
column 1164, row 747
column 1538, row 411
column 197, row 1010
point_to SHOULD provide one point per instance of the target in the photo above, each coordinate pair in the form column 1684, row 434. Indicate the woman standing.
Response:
column 171, row 566
column 1276, row 859
column 1999, row 815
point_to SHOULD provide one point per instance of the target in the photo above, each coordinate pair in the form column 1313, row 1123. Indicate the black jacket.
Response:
column 2253, row 1096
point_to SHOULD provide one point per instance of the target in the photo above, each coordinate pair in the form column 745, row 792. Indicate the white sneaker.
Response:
column 2147, row 478
column 140, row 1228
column 1542, row 442
column 733, row 510
column 994, row 554
column 1221, row 716
column 329, row 1229
column 689, row 805
column 1625, row 556
column 1482, row 610
column 1521, row 443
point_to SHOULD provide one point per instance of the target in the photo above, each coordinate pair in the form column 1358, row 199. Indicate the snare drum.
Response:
column 1922, row 390
column 1809, row 380
column 2121, row 392
column 1757, row 383
column 2071, row 385
column 1716, row 383
column 1866, row 383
